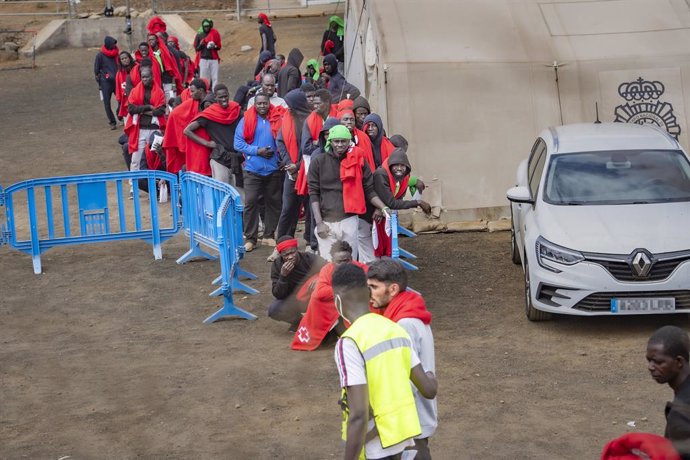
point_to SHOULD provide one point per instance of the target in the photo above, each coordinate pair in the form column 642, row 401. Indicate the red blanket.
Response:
column 135, row 76
column 169, row 64
column 212, row 36
column 197, row 156
column 288, row 129
column 364, row 143
column 385, row 247
column 354, row 201
column 631, row 445
column 321, row 314
column 120, row 83
column 136, row 97
column 407, row 304
column 251, row 119
column 174, row 140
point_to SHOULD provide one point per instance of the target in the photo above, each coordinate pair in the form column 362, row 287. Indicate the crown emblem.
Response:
column 641, row 89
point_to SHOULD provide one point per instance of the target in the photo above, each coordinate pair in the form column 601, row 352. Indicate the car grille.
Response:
column 601, row 301
column 660, row 270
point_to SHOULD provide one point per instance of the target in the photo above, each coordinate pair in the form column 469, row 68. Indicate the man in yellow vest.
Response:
column 376, row 363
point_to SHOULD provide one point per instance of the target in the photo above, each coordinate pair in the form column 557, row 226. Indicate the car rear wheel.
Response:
column 532, row 313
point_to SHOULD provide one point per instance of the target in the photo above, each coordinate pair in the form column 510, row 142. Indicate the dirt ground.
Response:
column 105, row 354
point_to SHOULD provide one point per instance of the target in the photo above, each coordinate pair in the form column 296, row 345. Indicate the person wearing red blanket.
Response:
column 146, row 107
column 170, row 71
column 340, row 185
column 156, row 25
column 295, row 193
column 391, row 182
column 105, row 70
column 321, row 316
column 210, row 147
column 312, row 125
column 124, row 67
column 174, row 140
column 187, row 66
column 292, row 272
column 668, row 353
column 387, row 280
column 636, row 446
column 134, row 77
column 207, row 44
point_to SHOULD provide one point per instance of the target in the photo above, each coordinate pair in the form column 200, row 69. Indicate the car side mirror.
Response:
column 520, row 194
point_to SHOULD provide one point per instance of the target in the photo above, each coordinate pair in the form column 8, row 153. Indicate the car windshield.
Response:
column 618, row 177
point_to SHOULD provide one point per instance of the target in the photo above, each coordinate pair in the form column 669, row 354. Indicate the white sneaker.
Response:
column 249, row 246
column 268, row 242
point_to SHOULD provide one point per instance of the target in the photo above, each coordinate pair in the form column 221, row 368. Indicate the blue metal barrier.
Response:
column 201, row 201
column 98, row 198
column 396, row 251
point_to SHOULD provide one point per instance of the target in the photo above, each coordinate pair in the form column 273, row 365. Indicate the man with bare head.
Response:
column 268, row 87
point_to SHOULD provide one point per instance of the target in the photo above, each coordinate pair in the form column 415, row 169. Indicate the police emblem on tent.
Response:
column 645, row 107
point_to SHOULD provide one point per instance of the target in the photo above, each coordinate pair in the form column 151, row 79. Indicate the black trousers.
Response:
column 108, row 90
column 289, row 214
column 256, row 186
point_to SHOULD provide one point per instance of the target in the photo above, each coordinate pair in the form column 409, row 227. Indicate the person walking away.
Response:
column 207, row 43
column 214, row 147
column 376, row 362
column 267, row 35
column 255, row 139
column 387, row 280
column 289, row 77
column 105, row 70
column 146, row 107
column 668, row 351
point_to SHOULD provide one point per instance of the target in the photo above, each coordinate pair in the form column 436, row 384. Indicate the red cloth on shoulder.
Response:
column 198, row 156
column 153, row 161
column 625, row 447
column 407, row 304
column 363, row 142
column 169, row 64
column 212, row 36
column 384, row 247
column 174, row 140
column 387, row 148
column 120, row 84
column 110, row 53
column 354, row 201
column 135, row 75
column 251, row 119
column 321, row 314
column 136, row 97
column 290, row 139
column 156, row 25
column 315, row 123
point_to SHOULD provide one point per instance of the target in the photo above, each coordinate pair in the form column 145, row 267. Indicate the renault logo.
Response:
column 641, row 264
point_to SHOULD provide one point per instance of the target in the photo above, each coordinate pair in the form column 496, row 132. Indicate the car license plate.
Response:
column 643, row 304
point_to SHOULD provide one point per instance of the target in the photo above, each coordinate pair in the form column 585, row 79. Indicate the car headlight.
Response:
column 547, row 251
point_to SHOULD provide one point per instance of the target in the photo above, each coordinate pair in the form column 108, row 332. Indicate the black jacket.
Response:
column 289, row 77
column 678, row 420
column 382, row 182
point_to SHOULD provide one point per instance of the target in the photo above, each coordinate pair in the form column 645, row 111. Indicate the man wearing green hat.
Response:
column 207, row 43
column 340, row 185
column 336, row 34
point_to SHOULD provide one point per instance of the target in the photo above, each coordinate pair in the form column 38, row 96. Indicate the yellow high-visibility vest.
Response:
column 386, row 349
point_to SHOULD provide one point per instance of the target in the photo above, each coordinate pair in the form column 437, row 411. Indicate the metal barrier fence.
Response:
column 98, row 202
column 396, row 251
column 37, row 8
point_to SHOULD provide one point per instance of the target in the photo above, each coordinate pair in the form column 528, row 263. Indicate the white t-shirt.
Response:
column 352, row 372
column 423, row 345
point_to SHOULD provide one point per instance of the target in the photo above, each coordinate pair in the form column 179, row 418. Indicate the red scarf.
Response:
column 321, row 314
column 136, row 97
column 251, row 120
column 135, row 75
column 174, row 140
column 212, row 36
column 120, row 83
column 386, row 148
column 197, row 156
column 290, row 139
column 407, row 304
column 265, row 18
column 113, row 53
column 363, row 142
column 315, row 123
column 169, row 64
column 392, row 182
column 351, row 176
column 384, row 247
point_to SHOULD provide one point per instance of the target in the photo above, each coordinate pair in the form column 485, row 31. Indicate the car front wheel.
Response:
column 532, row 313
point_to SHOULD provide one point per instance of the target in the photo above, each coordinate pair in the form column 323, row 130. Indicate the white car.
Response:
column 601, row 222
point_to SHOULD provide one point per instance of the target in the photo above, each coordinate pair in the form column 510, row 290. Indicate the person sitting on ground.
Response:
column 288, row 273
column 379, row 414
column 105, row 69
column 391, row 182
column 174, row 140
column 336, row 81
column 289, row 77
column 321, row 316
column 212, row 133
column 387, row 280
column 668, row 352
column 336, row 34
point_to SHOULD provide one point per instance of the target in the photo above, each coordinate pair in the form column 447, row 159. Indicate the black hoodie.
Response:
column 382, row 183
column 289, row 77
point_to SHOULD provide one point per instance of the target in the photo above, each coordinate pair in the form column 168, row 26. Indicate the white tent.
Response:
column 471, row 83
